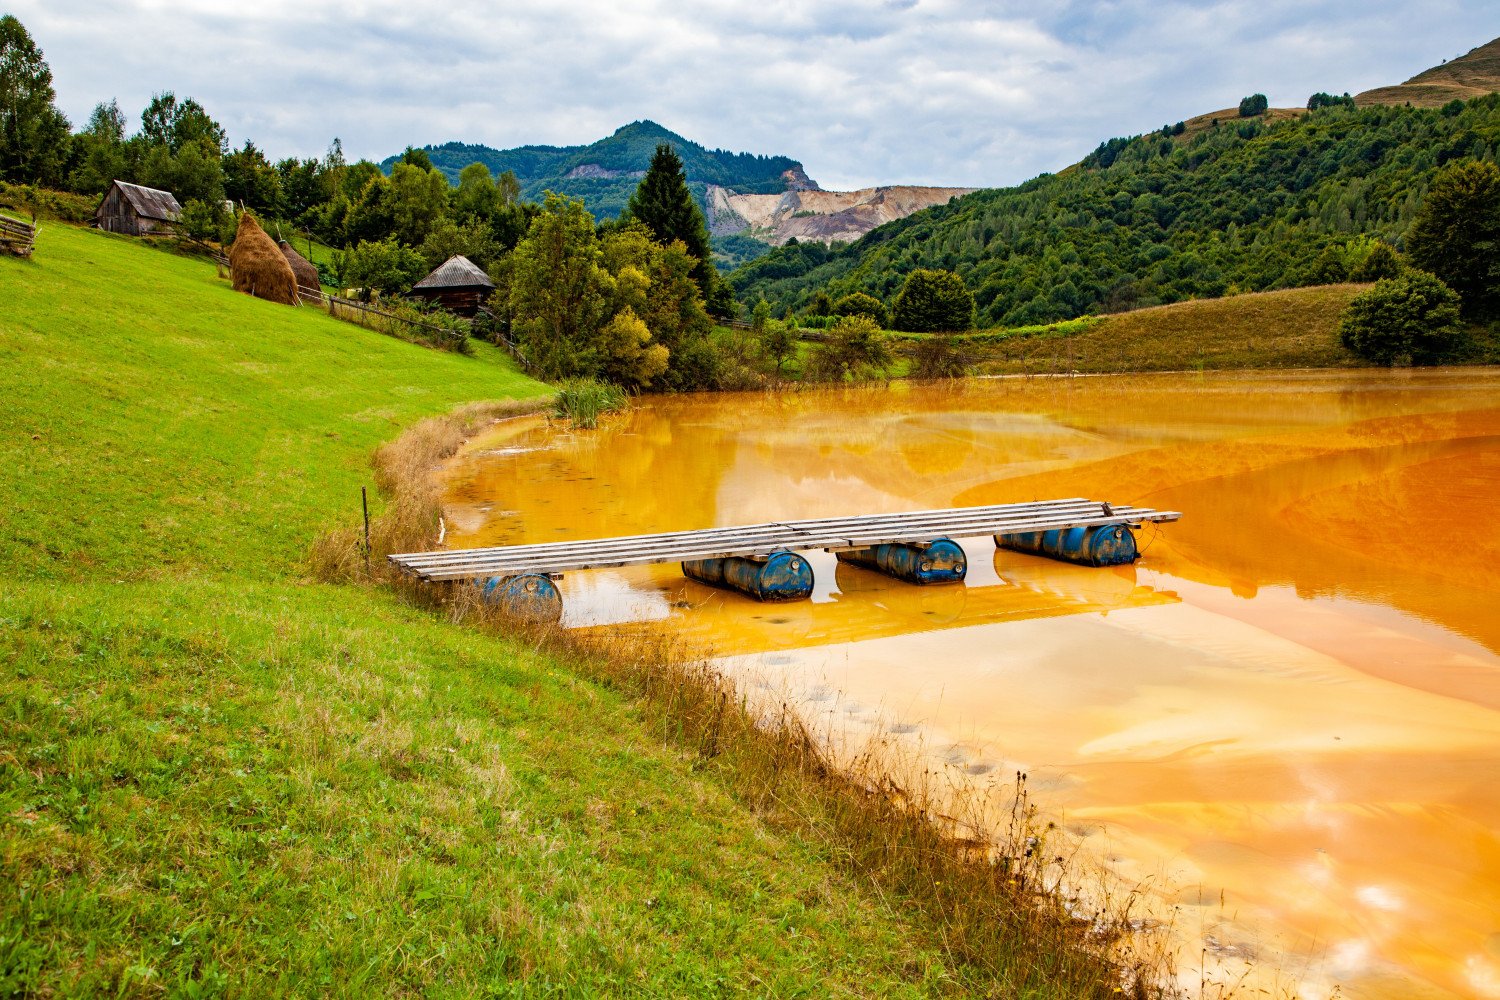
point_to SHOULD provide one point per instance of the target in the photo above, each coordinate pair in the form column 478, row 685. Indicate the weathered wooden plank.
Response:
column 761, row 540
column 775, row 527
column 785, row 534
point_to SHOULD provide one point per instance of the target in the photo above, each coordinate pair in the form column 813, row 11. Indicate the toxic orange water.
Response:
column 1284, row 720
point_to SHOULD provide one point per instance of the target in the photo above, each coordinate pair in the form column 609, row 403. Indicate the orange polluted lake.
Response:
column 1284, row 720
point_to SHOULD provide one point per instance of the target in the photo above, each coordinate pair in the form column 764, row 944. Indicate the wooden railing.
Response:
column 17, row 237
column 509, row 346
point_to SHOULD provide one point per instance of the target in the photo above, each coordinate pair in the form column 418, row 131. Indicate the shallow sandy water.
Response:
column 1284, row 721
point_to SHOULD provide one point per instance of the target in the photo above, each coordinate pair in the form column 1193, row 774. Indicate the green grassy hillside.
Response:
column 1296, row 328
column 217, row 777
column 1471, row 75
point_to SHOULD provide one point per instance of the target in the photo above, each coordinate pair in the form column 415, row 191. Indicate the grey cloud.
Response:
column 862, row 91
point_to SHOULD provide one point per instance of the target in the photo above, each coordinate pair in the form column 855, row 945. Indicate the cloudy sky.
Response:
column 861, row 91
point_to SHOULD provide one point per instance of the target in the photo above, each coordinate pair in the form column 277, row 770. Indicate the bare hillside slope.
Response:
column 1469, row 76
column 824, row 216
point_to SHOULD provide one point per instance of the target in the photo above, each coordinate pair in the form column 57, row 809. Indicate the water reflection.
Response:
column 1290, row 708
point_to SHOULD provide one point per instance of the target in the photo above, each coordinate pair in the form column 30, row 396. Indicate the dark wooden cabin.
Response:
column 136, row 210
column 458, row 286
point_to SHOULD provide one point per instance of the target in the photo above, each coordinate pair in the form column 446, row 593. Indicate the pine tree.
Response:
column 665, row 205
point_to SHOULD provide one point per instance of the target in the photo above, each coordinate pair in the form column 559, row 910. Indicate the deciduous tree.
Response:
column 1456, row 234
column 560, row 296
column 34, row 136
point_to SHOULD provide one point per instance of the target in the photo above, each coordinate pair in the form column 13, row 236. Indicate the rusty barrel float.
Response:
column 1107, row 545
column 781, row 576
column 531, row 597
column 941, row 560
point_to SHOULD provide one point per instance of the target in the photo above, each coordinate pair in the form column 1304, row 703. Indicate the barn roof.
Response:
column 456, row 272
column 149, row 203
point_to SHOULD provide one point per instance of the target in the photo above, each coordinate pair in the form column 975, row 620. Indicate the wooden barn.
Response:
column 136, row 210
column 458, row 286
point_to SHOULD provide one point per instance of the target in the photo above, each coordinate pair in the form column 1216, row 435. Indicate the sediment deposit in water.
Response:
column 1283, row 722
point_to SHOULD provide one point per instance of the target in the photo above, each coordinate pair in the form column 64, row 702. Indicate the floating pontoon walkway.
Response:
column 915, row 546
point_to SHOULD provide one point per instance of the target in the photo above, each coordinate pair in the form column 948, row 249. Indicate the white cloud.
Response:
column 862, row 91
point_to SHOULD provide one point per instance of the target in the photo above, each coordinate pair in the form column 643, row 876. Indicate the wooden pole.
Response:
column 364, row 501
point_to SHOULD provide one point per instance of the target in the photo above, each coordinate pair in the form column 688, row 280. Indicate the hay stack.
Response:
column 257, row 265
column 304, row 270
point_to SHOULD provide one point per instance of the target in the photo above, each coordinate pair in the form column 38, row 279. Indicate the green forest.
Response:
column 1156, row 219
column 605, row 173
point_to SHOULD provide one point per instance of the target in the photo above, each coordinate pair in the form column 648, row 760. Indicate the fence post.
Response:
column 364, row 501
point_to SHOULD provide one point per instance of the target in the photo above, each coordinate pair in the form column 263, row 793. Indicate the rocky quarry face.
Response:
column 808, row 213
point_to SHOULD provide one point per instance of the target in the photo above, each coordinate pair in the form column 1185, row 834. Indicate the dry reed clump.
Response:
column 302, row 268
column 257, row 266
column 411, row 519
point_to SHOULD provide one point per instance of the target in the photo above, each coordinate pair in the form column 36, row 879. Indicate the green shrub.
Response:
column 1381, row 262
column 778, row 343
column 24, row 199
column 201, row 220
column 862, row 304
column 1413, row 318
column 856, row 351
column 582, row 400
column 933, row 301
column 940, row 357
column 819, row 305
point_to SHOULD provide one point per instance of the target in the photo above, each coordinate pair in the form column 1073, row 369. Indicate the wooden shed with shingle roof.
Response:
column 137, row 211
column 458, row 286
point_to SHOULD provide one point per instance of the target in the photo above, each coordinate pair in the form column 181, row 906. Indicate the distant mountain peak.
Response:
column 605, row 172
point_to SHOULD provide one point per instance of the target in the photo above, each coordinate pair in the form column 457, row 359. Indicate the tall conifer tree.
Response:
column 665, row 205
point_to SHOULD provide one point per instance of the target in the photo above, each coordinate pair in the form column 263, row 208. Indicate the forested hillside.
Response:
column 1245, row 206
column 605, row 173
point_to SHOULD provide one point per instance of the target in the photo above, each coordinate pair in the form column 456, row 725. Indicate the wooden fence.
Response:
column 336, row 304
column 505, row 343
column 17, row 237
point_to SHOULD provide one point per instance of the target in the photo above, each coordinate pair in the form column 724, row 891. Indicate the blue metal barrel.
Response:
column 1107, row 545
column 783, row 576
column 532, row 598
column 939, row 561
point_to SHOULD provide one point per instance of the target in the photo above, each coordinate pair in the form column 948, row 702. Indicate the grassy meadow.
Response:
column 218, row 777
column 1295, row 328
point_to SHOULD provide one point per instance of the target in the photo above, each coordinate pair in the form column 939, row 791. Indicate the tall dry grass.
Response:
column 1008, row 898
column 411, row 519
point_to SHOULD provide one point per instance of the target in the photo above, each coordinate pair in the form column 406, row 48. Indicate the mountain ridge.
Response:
column 763, row 200
column 1473, row 74
column 604, row 172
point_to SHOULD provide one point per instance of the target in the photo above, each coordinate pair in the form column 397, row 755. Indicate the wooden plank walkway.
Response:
column 760, row 540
